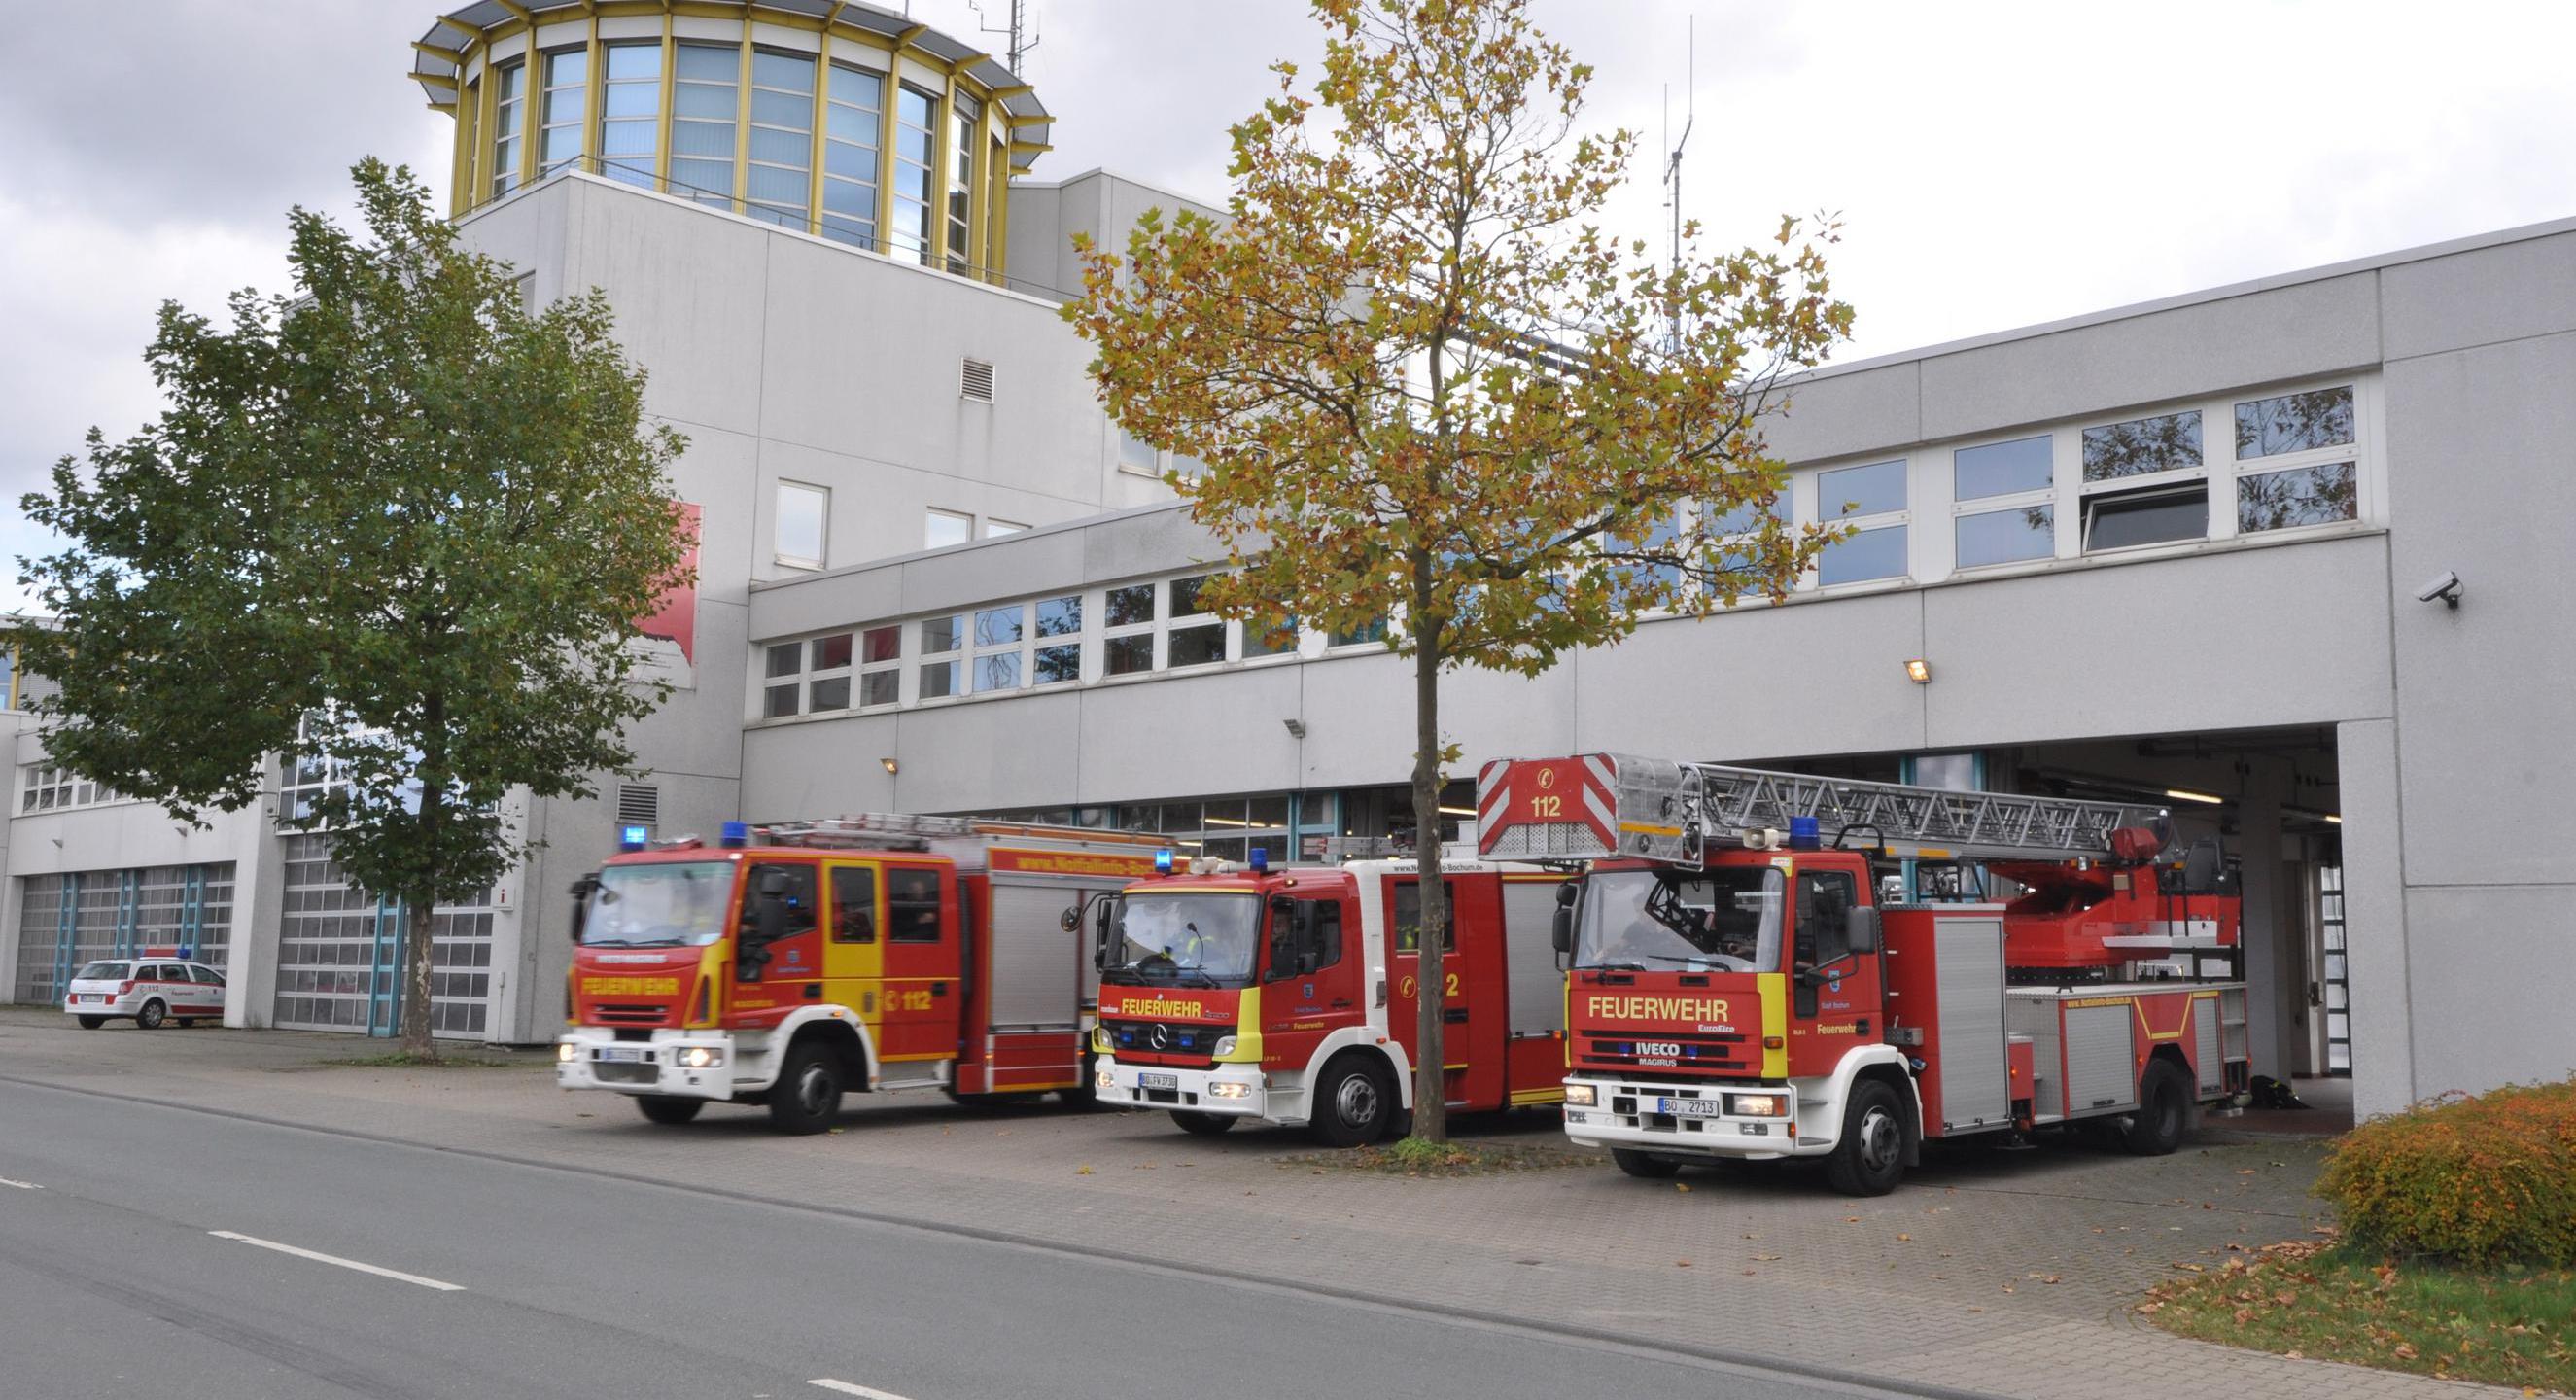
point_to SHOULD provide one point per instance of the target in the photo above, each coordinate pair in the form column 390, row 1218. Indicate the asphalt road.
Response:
column 159, row 1251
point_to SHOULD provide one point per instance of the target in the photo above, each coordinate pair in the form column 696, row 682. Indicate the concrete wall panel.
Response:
column 1836, row 415
column 1215, row 732
column 2375, row 929
column 1808, row 677
column 2481, row 296
column 2487, row 975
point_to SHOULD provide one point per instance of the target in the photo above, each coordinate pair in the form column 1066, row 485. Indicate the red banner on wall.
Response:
column 676, row 618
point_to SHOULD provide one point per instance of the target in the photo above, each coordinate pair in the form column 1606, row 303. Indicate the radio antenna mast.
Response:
column 1673, row 160
column 1022, row 29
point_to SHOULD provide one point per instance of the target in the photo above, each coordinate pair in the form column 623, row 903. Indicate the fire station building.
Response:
column 2192, row 552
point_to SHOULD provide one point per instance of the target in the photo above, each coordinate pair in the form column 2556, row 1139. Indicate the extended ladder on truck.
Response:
column 1603, row 806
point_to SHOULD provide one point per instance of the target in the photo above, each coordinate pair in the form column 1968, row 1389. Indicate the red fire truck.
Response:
column 1743, row 988
column 1230, row 992
column 874, row 953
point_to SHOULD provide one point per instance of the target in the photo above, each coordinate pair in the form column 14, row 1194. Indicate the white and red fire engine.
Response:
column 1739, row 990
column 793, row 962
column 1290, row 995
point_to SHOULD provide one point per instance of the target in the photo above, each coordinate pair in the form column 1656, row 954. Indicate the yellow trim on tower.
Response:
column 662, row 136
column 742, row 125
column 1773, row 987
column 455, row 56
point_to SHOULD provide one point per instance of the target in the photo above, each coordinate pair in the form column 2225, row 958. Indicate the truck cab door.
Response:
column 853, row 952
column 1412, row 976
column 1835, row 990
column 774, row 977
column 922, row 995
column 1301, row 1005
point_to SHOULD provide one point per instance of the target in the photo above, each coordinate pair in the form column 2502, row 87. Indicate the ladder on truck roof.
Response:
column 1608, row 805
column 903, row 831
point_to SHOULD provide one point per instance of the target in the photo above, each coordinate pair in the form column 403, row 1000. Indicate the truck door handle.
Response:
column 813, row 991
column 1455, row 1015
column 939, row 989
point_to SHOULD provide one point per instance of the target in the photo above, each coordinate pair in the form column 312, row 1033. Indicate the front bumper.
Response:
column 599, row 1060
column 1233, row 1091
column 1626, row 1113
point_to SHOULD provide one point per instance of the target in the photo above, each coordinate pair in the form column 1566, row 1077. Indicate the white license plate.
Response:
column 628, row 1054
column 1691, row 1108
column 1158, row 1081
column 93, row 1000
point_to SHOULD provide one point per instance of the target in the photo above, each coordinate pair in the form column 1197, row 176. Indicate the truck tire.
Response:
column 1644, row 1166
column 2164, row 1111
column 1202, row 1124
column 1869, row 1158
column 668, row 1108
column 807, row 1096
column 151, row 1016
column 1353, row 1100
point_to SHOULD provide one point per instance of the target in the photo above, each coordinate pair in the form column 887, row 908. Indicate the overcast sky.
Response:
column 1995, row 165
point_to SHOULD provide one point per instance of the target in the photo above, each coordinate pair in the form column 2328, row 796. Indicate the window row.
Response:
column 829, row 148
column 802, row 526
column 46, row 788
column 1123, row 630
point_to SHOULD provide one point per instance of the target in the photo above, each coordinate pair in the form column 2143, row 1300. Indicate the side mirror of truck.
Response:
column 1101, row 912
column 581, row 892
column 1070, row 919
column 1562, row 934
column 1860, row 930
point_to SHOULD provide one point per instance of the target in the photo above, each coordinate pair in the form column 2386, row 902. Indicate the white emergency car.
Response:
column 149, row 990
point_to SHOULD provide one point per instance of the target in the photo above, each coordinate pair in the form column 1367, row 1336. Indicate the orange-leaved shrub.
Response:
column 2474, row 1180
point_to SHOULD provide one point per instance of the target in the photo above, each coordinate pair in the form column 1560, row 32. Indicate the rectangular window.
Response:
column 706, row 104
column 942, row 637
column 780, row 180
column 1137, row 455
column 854, row 904
column 1746, row 516
column 1850, row 491
column 998, row 633
column 855, row 102
column 961, row 185
column 995, row 529
column 2001, row 468
column 912, row 905
column 880, row 665
column 2155, row 515
column 804, row 513
column 2166, row 442
column 509, row 113
column 1131, row 604
column 2282, row 500
column 915, row 112
column 997, row 626
column 1407, row 917
column 942, row 528
column 2007, row 536
column 1865, row 555
column 630, row 114
column 1272, row 634
column 1061, row 661
column 939, row 680
column 559, row 129
column 1200, row 644
column 2319, row 418
column 1367, row 633
column 798, row 896
column 1125, row 656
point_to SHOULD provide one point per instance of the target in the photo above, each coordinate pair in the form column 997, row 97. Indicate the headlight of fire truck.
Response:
column 1229, row 1089
column 1578, row 1095
column 1102, row 1079
column 700, row 1057
column 1757, row 1105
column 565, row 1052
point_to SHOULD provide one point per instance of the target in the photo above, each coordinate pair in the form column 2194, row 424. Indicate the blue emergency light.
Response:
column 633, row 838
column 1261, row 860
column 736, row 835
column 1803, row 834
column 1163, row 862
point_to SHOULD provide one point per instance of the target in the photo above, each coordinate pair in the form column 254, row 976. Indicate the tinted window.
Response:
column 2300, row 496
column 912, row 906
column 2294, row 423
column 1408, row 917
column 2146, row 517
column 1870, row 554
column 1860, row 490
column 799, row 896
column 1999, row 469
column 1328, row 933
column 100, row 971
column 206, row 975
column 2004, row 536
column 1825, row 900
column 854, row 904
column 2156, row 444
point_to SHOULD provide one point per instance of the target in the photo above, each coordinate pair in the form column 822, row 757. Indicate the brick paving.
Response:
column 2009, row 1273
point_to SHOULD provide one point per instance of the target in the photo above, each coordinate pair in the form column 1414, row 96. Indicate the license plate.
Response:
column 94, row 1000
column 1158, row 1081
column 628, row 1054
column 1691, row 1108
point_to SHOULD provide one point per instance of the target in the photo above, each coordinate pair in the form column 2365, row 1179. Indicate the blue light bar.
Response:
column 633, row 838
column 736, row 834
column 1261, row 860
column 1804, row 834
column 1163, row 862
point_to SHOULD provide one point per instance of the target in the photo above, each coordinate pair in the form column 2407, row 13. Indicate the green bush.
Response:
column 2475, row 1180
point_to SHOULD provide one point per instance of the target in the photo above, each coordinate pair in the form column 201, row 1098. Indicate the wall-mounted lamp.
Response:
column 889, row 765
column 1296, row 728
column 2446, row 588
column 1919, row 671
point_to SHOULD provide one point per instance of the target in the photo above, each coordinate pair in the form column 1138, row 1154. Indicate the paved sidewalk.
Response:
column 2006, row 1273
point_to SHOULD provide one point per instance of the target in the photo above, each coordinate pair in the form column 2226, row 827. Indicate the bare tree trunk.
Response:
column 420, row 903
column 1430, row 1079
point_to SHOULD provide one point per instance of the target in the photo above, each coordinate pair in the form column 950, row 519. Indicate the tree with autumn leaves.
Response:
column 1430, row 391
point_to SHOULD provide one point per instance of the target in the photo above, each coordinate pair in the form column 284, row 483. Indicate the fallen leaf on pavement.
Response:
column 1086, row 1171
column 1681, row 1263
column 1766, row 1258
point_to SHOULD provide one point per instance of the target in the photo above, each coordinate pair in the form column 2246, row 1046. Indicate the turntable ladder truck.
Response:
column 1742, row 987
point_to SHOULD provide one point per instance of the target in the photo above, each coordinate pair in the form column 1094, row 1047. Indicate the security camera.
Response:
column 2446, row 588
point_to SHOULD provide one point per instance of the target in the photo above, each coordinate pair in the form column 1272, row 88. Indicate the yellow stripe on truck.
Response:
column 1774, row 988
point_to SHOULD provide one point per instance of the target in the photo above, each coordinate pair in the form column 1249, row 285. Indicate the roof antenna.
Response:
column 1022, row 23
column 1673, row 160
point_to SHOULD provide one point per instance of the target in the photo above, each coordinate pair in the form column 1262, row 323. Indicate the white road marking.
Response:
column 320, row 1258
column 861, row 1391
column 21, row 1185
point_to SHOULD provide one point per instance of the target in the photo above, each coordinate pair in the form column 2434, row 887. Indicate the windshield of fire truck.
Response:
column 1198, row 940
column 1723, row 920
column 666, row 904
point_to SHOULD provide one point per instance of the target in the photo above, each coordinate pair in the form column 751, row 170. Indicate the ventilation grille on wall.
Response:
column 639, row 804
column 978, row 381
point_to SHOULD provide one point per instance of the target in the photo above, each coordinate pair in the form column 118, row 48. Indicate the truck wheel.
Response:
column 151, row 1016
column 1869, row 1158
column 91, row 1023
column 1352, row 1103
column 807, row 1096
column 668, row 1108
column 1643, row 1166
column 1202, row 1124
column 2164, row 1110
